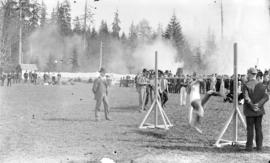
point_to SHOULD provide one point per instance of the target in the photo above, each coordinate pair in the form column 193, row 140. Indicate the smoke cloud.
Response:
column 246, row 22
column 117, row 57
column 145, row 56
column 47, row 41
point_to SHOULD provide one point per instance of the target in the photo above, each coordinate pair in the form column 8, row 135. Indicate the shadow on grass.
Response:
column 159, row 134
column 69, row 120
column 125, row 109
column 226, row 149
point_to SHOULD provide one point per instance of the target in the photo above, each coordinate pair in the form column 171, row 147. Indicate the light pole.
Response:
column 84, row 32
column 101, row 55
column 222, row 18
column 20, row 34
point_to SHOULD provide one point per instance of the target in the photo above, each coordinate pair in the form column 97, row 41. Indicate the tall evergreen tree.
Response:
column 115, row 25
column 103, row 31
column 174, row 32
column 64, row 18
column 54, row 17
column 94, row 33
column 43, row 14
column 123, row 37
column 28, row 21
column 144, row 31
column 34, row 17
column 9, row 30
column 74, row 61
column 77, row 26
column 132, row 36
column 132, row 32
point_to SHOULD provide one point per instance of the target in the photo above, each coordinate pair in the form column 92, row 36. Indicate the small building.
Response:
column 28, row 68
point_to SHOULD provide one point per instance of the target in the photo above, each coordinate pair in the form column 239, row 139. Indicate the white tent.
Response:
column 28, row 67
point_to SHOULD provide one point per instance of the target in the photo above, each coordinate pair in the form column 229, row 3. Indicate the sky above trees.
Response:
column 196, row 16
column 245, row 22
column 156, row 12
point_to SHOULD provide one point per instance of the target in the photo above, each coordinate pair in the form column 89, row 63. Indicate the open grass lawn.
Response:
column 56, row 124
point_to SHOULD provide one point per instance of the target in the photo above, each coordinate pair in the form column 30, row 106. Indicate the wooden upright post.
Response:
column 156, row 88
column 235, row 112
column 235, row 92
column 157, row 106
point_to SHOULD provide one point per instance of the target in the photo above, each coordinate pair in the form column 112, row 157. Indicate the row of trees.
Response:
column 13, row 15
column 116, row 44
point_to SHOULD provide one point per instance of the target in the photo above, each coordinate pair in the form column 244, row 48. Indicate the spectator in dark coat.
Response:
column 254, row 99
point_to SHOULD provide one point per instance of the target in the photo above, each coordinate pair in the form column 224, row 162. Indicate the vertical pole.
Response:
column 222, row 18
column 156, row 89
column 10, row 50
column 100, row 55
column 84, row 26
column 20, row 34
column 31, row 52
column 235, row 97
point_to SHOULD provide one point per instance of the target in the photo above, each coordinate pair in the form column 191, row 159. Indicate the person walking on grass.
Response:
column 100, row 90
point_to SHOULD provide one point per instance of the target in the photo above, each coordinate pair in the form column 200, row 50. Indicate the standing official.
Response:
column 25, row 75
column 3, row 78
column 183, row 92
column 100, row 90
column 142, row 82
column 9, row 77
column 254, row 99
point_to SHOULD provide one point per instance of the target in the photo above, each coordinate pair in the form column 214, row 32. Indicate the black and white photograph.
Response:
column 134, row 81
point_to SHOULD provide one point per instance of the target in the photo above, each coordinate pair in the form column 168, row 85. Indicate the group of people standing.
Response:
column 32, row 77
column 252, row 90
column 145, row 86
column 252, row 86
column 9, row 78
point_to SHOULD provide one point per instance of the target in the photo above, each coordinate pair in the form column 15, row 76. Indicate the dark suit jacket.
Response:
column 254, row 93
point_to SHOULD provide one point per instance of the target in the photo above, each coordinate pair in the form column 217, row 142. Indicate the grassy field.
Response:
column 56, row 124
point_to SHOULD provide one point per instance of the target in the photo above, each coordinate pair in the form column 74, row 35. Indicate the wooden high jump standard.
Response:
column 156, row 106
column 235, row 113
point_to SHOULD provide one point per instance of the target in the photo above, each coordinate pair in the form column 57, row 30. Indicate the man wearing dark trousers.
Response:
column 100, row 90
column 9, row 77
column 254, row 99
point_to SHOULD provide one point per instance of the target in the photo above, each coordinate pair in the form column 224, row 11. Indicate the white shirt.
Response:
column 195, row 91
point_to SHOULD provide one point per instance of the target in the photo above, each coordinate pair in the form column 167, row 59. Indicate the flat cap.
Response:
column 252, row 70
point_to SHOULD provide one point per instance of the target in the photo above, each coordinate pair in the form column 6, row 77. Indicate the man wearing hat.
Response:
column 100, row 90
column 254, row 99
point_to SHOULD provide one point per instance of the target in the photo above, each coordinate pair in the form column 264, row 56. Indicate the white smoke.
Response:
column 48, row 41
column 144, row 56
column 253, row 35
column 247, row 23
